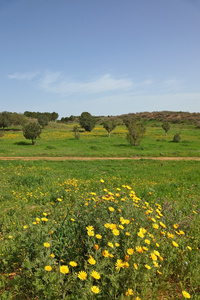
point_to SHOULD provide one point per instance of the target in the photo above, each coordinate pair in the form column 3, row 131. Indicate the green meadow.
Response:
column 109, row 229
column 58, row 140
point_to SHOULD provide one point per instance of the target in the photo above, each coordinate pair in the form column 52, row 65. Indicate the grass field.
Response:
column 58, row 140
column 105, row 229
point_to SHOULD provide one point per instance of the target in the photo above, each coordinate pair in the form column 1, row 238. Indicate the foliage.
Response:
column 109, row 125
column 87, row 121
column 70, row 119
column 32, row 131
column 51, row 116
column 136, row 131
column 176, row 138
column 5, row 119
column 43, row 120
column 76, row 132
column 166, row 127
column 64, row 238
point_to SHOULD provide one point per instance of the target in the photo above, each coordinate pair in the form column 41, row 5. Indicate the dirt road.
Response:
column 97, row 158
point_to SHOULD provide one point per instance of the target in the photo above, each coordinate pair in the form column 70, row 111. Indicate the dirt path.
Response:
column 98, row 158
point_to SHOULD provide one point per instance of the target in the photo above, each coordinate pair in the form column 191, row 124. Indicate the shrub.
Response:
column 136, row 131
column 176, row 138
column 76, row 132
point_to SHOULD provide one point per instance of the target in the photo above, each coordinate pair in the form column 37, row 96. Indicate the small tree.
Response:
column 32, row 131
column 76, row 132
column 166, row 127
column 176, row 138
column 136, row 131
column 5, row 119
column 87, row 121
column 109, row 126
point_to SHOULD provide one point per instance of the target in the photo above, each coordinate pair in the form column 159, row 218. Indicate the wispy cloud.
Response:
column 23, row 76
column 56, row 83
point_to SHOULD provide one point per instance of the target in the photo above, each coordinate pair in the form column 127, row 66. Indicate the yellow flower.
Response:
column 121, row 226
column 174, row 244
column 159, row 272
column 153, row 256
column 129, row 292
column 127, row 233
column 176, row 226
column 48, row 268
column 147, row 241
column 10, row 237
column 113, row 226
column 163, row 225
column 44, row 219
column 156, row 253
column 47, row 245
column 64, row 269
column 119, row 264
column 115, row 231
column 105, row 253
column 170, row 235
column 117, row 244
column 98, row 236
column 147, row 267
column 95, row 289
column 137, row 298
column 155, row 226
column 37, row 220
column 135, row 266
column 26, row 226
column 73, row 263
column 91, row 260
column 96, row 247
column 126, row 264
column 90, row 228
column 111, row 208
column 139, row 249
column 52, row 255
column 140, row 234
column 189, row 248
column 186, row 295
column 95, row 275
column 45, row 214
column 102, row 181
column 110, row 245
column 82, row 275
column 130, row 251
column 59, row 199
column 90, row 233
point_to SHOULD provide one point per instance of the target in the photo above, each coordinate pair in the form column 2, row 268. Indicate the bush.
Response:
column 176, row 138
column 136, row 131
column 76, row 132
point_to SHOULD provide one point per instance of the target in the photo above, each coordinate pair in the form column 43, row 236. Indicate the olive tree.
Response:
column 5, row 119
column 166, row 127
column 32, row 131
column 136, row 131
column 87, row 121
column 109, row 126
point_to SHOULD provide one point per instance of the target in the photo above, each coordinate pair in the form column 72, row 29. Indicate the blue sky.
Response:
column 107, row 57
